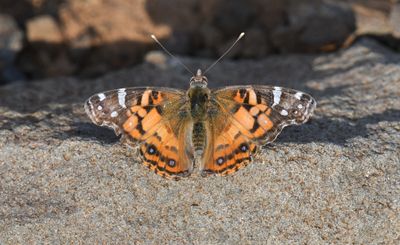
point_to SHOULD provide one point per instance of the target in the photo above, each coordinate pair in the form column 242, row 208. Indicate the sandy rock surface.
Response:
column 335, row 179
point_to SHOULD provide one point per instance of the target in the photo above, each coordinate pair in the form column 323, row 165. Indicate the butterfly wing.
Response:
column 242, row 117
column 155, row 119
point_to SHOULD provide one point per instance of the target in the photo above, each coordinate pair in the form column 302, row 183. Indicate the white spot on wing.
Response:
column 121, row 97
column 277, row 95
column 99, row 108
column 298, row 95
column 284, row 113
column 252, row 97
column 145, row 97
column 299, row 106
column 114, row 114
column 101, row 96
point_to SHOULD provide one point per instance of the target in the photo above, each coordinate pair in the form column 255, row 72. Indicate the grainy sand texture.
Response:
column 333, row 180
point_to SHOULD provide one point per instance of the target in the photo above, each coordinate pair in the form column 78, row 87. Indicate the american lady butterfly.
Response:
column 219, row 130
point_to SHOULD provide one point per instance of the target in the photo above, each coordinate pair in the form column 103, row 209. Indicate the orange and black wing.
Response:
column 243, row 117
column 155, row 119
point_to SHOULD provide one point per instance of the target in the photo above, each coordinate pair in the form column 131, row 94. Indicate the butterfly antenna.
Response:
column 227, row 51
column 173, row 56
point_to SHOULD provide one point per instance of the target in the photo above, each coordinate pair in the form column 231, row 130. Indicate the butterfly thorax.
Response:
column 199, row 95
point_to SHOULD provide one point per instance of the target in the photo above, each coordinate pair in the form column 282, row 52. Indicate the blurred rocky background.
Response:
column 87, row 38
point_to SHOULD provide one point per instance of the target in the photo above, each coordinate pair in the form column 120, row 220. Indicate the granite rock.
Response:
column 335, row 179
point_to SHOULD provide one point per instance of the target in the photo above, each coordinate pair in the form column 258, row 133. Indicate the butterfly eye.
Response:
column 220, row 160
column 244, row 147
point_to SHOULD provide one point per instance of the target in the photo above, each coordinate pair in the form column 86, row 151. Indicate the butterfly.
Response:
column 217, row 129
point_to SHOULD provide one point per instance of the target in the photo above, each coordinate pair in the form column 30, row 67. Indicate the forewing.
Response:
column 264, row 110
column 242, row 117
column 154, row 119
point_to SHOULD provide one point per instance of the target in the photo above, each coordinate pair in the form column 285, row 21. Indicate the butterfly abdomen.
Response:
column 199, row 137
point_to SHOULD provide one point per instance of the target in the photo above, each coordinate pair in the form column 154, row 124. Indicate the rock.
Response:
column 395, row 20
column 372, row 19
column 378, row 20
column 274, row 26
column 129, row 22
column 100, row 43
column 316, row 26
column 20, row 12
column 207, row 28
column 10, row 44
column 333, row 180
column 45, row 54
column 157, row 58
column 43, row 29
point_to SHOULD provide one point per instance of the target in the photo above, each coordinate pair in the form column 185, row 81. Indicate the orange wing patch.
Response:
column 144, row 114
column 250, row 112
column 162, row 153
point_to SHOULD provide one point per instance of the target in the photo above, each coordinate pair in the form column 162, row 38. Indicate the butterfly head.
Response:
column 198, row 81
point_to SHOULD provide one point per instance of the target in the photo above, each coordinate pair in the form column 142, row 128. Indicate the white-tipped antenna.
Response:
column 222, row 56
column 166, row 51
